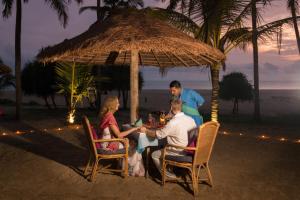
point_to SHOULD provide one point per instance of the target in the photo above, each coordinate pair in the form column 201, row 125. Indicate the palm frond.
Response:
column 85, row 8
column 7, row 10
column 177, row 19
column 61, row 8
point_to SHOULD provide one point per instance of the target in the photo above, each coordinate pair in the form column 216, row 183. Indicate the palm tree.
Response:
column 103, row 12
column 74, row 82
column 293, row 7
column 220, row 23
column 257, row 116
column 58, row 5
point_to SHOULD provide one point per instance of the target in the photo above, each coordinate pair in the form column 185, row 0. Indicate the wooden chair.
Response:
column 199, row 160
column 100, row 154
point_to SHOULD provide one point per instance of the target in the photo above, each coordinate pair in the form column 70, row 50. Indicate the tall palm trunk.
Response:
column 98, row 10
column 293, row 11
column 257, row 116
column 18, row 58
column 215, row 71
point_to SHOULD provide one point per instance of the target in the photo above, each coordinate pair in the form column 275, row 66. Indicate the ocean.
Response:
column 206, row 85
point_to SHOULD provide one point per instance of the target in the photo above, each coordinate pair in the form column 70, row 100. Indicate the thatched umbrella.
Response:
column 133, row 37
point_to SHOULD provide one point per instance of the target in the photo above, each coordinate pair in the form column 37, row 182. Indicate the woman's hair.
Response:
column 109, row 105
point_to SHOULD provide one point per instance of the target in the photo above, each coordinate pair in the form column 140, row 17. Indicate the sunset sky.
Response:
column 40, row 28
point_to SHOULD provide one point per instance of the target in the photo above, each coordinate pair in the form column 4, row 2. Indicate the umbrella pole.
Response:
column 134, row 85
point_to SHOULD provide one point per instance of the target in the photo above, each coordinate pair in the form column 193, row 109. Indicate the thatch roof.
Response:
column 4, row 69
column 110, row 42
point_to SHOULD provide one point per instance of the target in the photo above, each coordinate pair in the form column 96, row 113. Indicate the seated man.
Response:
column 176, row 132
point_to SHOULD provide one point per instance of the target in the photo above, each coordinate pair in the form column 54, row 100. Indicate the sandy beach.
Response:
column 45, row 159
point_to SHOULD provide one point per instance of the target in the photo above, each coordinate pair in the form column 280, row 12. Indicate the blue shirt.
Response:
column 192, row 100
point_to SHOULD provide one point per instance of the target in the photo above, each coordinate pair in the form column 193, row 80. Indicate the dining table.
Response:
column 144, row 142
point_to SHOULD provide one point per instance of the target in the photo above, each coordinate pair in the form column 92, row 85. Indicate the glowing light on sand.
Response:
column 283, row 139
column 45, row 129
column 77, row 127
column 241, row 134
column 59, row 129
column 298, row 141
column 31, row 131
column 4, row 133
column 71, row 118
column 20, row 132
column 264, row 137
column 225, row 133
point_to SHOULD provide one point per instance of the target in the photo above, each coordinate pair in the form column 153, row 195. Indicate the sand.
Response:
column 47, row 164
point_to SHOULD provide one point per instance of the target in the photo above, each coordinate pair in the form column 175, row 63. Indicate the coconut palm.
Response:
column 74, row 82
column 58, row 5
column 221, row 24
column 103, row 11
column 293, row 6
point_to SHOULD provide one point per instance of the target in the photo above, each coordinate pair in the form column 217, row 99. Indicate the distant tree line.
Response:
column 42, row 80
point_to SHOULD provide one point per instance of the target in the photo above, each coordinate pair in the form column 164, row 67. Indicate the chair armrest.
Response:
column 175, row 146
column 125, row 141
column 180, row 147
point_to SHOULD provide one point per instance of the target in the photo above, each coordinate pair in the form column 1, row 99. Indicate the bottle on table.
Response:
column 162, row 118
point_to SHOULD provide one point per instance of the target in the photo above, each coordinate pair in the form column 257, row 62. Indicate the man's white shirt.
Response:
column 176, row 130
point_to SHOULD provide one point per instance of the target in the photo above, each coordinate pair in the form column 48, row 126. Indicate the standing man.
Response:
column 190, row 99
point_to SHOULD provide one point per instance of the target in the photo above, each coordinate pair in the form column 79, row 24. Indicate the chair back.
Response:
column 205, row 142
column 89, row 134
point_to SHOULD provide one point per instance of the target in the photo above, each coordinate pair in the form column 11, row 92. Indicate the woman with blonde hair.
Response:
column 108, row 126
